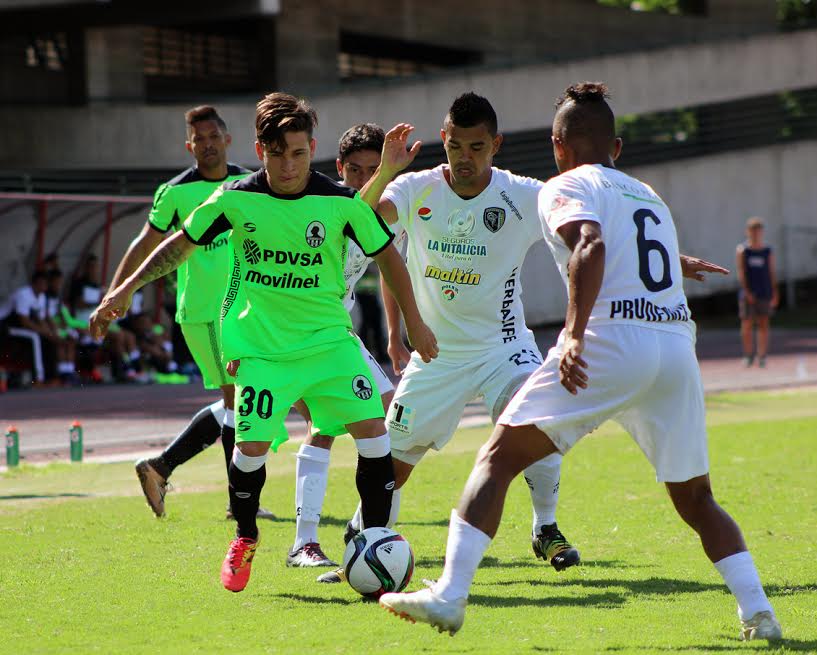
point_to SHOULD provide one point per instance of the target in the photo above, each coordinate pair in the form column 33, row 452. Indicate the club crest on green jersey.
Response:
column 315, row 234
column 362, row 387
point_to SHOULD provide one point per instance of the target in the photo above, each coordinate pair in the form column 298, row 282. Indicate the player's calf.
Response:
column 374, row 477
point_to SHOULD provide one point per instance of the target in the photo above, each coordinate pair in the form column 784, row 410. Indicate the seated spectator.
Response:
column 23, row 319
column 58, row 317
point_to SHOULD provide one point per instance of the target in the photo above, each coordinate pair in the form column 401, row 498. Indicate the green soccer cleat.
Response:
column 552, row 546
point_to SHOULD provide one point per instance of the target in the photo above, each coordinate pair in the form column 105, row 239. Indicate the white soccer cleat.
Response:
column 763, row 625
column 426, row 606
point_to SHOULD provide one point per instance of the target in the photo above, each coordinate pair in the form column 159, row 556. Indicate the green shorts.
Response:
column 204, row 342
column 335, row 384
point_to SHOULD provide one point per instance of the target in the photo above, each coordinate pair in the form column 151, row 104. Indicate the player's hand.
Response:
column 775, row 301
column 749, row 297
column 694, row 268
column 571, row 364
column 399, row 355
column 422, row 339
column 396, row 156
column 114, row 305
column 232, row 367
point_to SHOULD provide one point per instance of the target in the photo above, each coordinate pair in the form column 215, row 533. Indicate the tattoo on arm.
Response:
column 165, row 259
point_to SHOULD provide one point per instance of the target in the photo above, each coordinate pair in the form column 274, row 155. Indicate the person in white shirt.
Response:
column 24, row 316
column 469, row 226
column 627, row 353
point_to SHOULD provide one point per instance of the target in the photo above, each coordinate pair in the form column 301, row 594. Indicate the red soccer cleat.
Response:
column 235, row 572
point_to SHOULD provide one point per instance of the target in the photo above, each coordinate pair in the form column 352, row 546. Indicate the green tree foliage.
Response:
column 793, row 14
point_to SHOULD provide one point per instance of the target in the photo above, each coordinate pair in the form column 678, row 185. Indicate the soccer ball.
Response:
column 377, row 561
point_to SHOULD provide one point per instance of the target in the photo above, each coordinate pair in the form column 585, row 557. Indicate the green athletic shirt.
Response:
column 284, row 299
column 202, row 279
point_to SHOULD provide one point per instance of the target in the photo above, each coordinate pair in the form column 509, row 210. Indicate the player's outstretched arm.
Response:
column 694, row 268
column 398, row 353
column 166, row 258
column 586, row 271
column 145, row 243
column 393, row 269
column 394, row 158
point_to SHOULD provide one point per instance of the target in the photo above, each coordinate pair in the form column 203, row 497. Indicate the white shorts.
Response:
column 381, row 380
column 430, row 398
column 646, row 380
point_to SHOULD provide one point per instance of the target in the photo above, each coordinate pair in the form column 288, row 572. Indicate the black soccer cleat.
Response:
column 551, row 545
column 350, row 533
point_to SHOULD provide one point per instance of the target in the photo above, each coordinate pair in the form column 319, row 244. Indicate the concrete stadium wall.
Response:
column 144, row 136
column 710, row 197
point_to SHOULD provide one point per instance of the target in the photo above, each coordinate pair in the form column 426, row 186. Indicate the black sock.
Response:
column 245, row 496
column 201, row 432
column 228, row 443
column 375, row 484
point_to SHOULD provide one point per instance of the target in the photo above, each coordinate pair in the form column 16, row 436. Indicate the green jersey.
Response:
column 202, row 279
column 285, row 296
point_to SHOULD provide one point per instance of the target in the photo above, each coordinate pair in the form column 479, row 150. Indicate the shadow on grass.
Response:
column 654, row 585
column 441, row 523
column 608, row 599
column 35, row 496
column 487, row 563
column 786, row 645
column 322, row 600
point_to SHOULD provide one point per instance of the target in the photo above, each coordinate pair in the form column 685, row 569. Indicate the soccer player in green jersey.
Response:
column 198, row 307
column 285, row 331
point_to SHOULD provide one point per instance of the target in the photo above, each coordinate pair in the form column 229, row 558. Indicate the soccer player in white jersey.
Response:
column 627, row 353
column 468, row 226
column 358, row 158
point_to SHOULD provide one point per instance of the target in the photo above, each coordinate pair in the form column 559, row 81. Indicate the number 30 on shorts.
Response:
column 261, row 402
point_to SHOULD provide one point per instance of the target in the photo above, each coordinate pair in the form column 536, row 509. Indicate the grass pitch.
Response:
column 86, row 568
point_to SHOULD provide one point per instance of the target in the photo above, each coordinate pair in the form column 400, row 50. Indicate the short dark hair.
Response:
column 203, row 113
column 279, row 113
column 38, row 275
column 583, row 113
column 54, row 273
column 470, row 110
column 365, row 136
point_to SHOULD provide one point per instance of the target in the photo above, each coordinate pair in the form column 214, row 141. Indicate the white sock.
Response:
column 374, row 447
column 218, row 410
column 248, row 463
column 311, row 476
column 65, row 367
column 740, row 575
column 543, row 481
column 463, row 553
column 357, row 519
column 395, row 509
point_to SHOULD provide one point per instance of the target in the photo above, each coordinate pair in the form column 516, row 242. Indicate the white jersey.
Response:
column 356, row 263
column 25, row 303
column 642, row 284
column 465, row 256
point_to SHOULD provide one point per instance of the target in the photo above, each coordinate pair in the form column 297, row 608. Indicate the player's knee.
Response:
column 228, row 392
column 319, row 441
column 253, row 448
column 692, row 499
column 367, row 429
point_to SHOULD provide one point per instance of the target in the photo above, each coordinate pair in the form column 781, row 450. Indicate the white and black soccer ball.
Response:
column 377, row 561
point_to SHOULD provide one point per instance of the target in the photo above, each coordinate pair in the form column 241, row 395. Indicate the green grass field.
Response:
column 87, row 569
